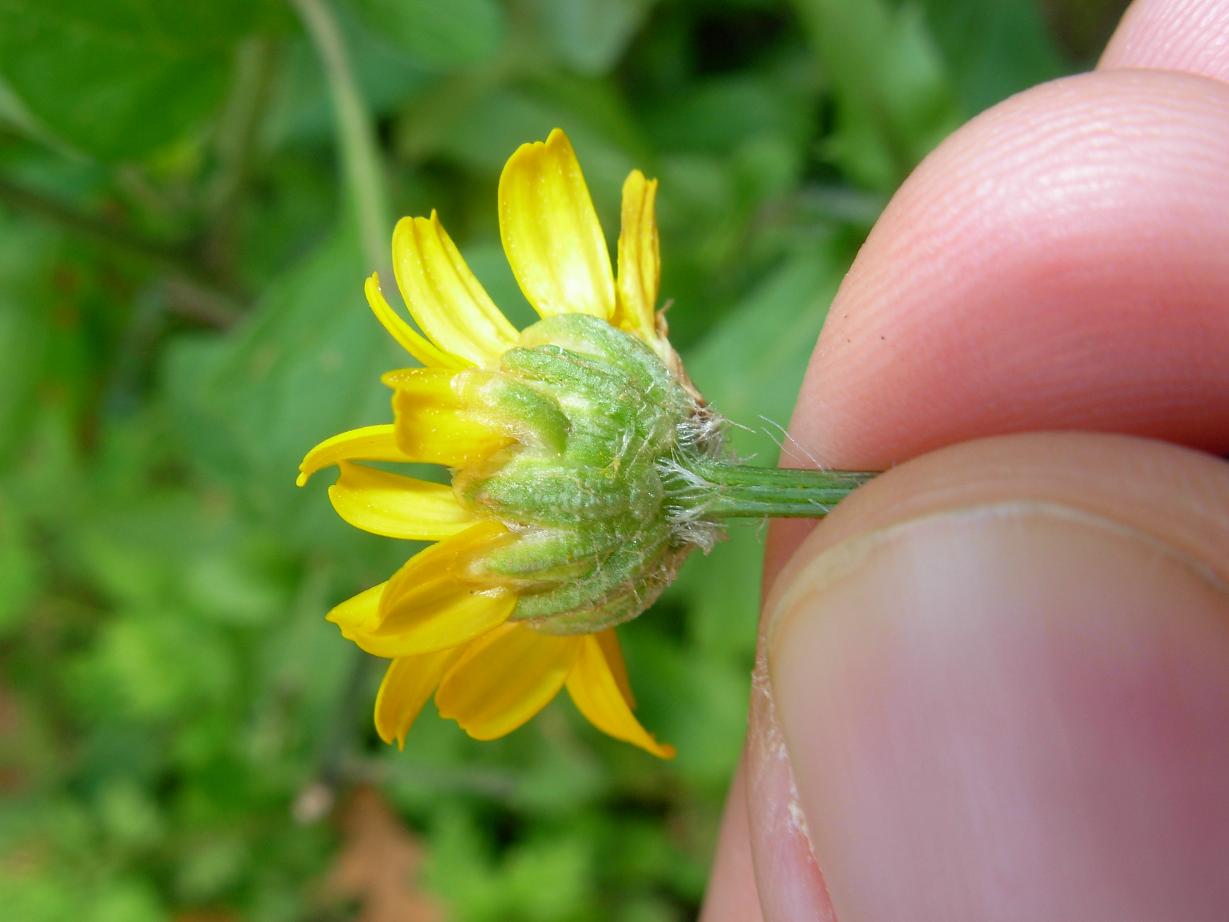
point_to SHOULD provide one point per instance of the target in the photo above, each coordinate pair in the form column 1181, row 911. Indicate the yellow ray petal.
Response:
column 594, row 686
column 504, row 678
column 432, row 602
column 609, row 642
column 396, row 506
column 370, row 443
column 639, row 259
column 446, row 300
column 432, row 423
column 463, row 614
column 406, row 336
column 358, row 615
column 358, row 612
column 408, row 683
column 550, row 231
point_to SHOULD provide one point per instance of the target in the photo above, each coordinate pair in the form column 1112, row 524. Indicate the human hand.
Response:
column 994, row 684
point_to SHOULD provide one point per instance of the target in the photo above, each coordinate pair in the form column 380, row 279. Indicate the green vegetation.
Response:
column 182, row 736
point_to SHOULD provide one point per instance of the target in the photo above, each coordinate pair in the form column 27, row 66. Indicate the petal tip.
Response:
column 664, row 751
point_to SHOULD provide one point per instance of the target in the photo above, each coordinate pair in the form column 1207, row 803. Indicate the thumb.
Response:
column 1001, row 674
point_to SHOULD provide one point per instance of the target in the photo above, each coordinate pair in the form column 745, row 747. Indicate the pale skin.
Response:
column 994, row 684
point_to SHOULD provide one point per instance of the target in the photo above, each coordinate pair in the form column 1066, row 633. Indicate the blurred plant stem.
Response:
column 355, row 136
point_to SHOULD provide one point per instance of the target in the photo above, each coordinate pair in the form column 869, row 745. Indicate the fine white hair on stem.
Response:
column 686, row 507
column 795, row 447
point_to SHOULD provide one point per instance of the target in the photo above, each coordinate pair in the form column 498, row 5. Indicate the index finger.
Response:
column 1058, row 263
column 1181, row 35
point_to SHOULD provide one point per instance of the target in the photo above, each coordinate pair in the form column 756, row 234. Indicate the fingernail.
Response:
column 1011, row 712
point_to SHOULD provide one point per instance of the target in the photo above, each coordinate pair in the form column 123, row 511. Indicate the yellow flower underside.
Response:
column 550, row 231
column 370, row 443
column 639, row 259
column 446, row 632
column 434, row 425
column 409, row 339
column 443, row 295
column 502, row 679
column 395, row 506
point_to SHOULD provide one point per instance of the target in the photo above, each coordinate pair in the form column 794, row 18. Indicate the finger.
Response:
column 732, row 895
column 1002, row 678
column 1060, row 262
column 1183, row 35
column 1057, row 263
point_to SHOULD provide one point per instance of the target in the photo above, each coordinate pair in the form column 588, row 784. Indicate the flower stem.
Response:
column 360, row 154
column 740, row 491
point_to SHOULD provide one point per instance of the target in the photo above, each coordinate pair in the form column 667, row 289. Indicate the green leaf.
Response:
column 304, row 367
column 589, row 35
column 894, row 100
column 697, row 703
column 446, row 36
column 485, row 133
column 751, row 365
column 993, row 49
column 21, row 576
column 120, row 80
column 716, row 114
column 25, row 327
column 139, row 668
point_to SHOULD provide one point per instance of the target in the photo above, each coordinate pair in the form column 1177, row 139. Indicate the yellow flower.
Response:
column 555, row 527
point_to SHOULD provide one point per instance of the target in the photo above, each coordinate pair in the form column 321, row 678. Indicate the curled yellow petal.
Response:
column 446, row 300
column 358, row 612
column 639, row 259
column 370, row 443
column 408, row 683
column 432, row 602
column 359, row 615
column 406, row 336
column 445, row 620
column 396, row 506
column 550, row 231
column 432, row 422
column 595, row 686
column 504, row 678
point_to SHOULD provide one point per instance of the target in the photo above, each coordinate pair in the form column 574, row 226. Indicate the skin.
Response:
column 994, row 684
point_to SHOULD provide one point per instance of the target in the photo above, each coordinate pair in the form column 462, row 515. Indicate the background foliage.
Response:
column 181, row 735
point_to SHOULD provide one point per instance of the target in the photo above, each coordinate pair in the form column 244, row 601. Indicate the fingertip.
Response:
column 1057, row 263
column 732, row 894
column 1179, row 35
column 1007, row 698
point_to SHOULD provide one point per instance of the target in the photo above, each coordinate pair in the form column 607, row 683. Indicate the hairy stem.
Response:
column 727, row 491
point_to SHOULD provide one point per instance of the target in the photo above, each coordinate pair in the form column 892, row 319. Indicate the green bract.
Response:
column 590, row 490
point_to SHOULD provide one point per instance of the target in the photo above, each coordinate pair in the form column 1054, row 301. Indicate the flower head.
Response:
column 567, row 511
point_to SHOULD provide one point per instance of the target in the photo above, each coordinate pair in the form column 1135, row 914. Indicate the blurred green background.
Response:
column 186, row 226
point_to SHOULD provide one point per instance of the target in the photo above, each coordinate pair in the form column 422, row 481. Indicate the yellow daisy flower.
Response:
column 561, row 520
